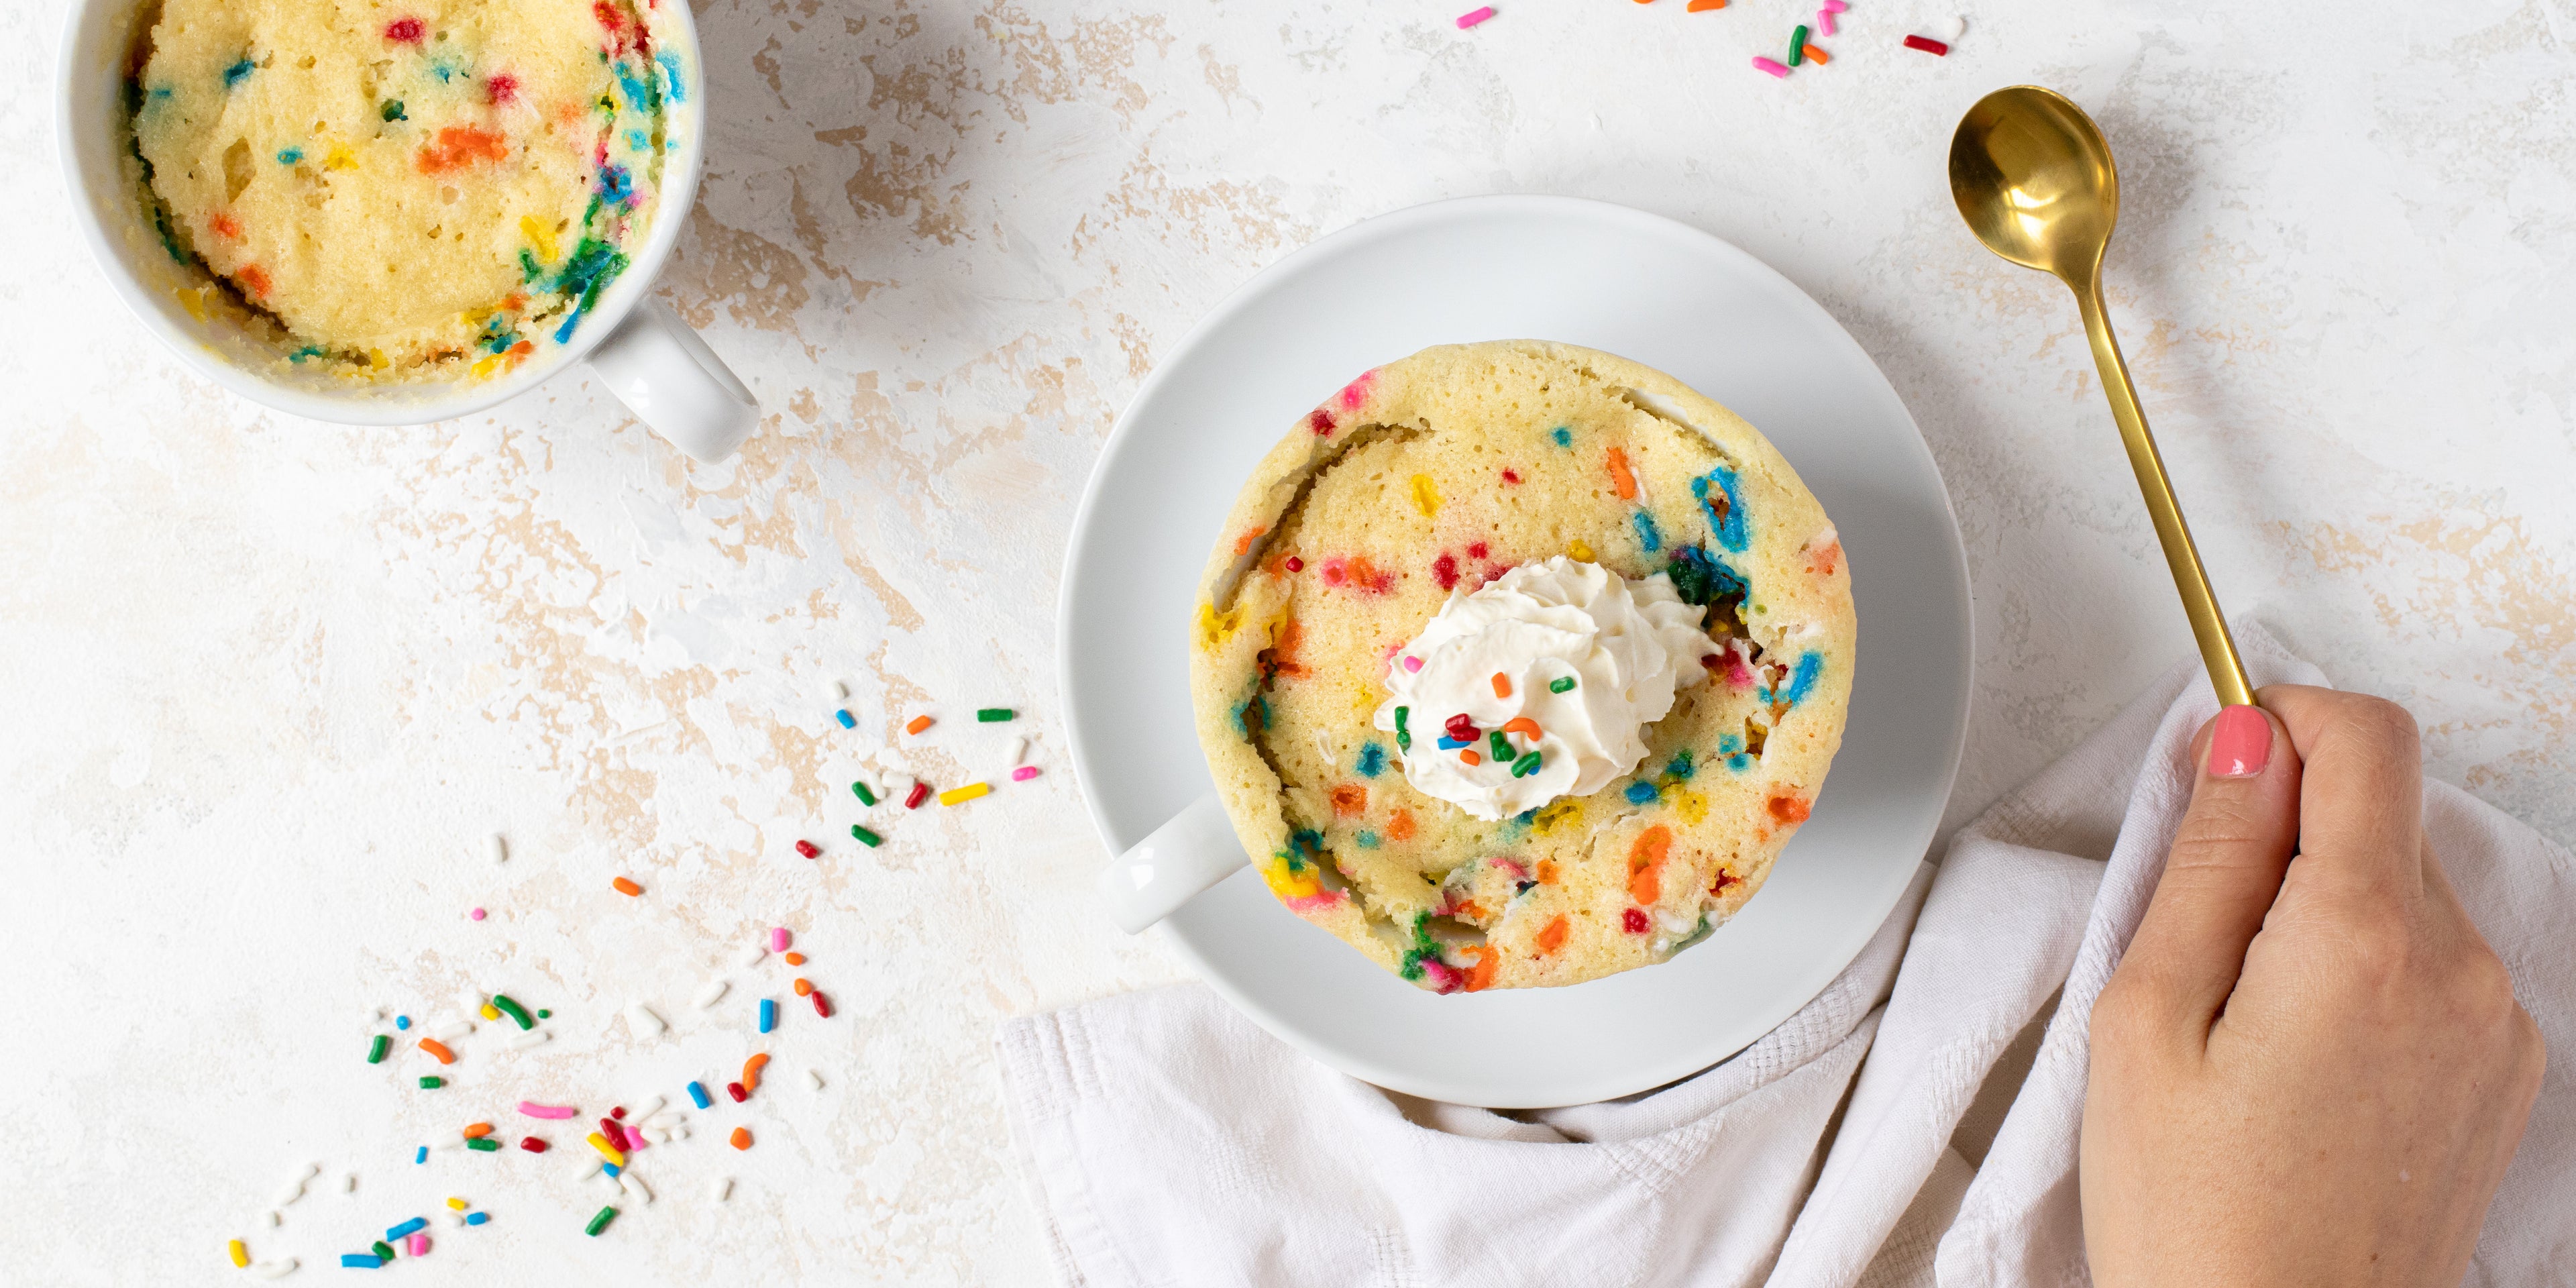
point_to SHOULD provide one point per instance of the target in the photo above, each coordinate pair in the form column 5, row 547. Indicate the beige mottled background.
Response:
column 266, row 684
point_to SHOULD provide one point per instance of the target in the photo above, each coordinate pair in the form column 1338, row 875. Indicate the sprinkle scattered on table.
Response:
column 1928, row 45
column 627, row 887
column 1474, row 16
column 866, row 837
column 961, row 795
column 1024, row 773
column 1772, row 66
column 917, row 724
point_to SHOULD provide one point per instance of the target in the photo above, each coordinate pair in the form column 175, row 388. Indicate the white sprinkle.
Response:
column 897, row 786
column 1015, row 752
column 375, row 1015
column 527, row 1039
column 349, row 1183
column 634, row 1185
column 470, row 1002
column 452, row 1216
column 750, row 957
column 452, row 1030
column 273, row 1218
column 815, row 1076
column 723, row 1188
column 655, row 1135
column 640, row 1109
column 274, row 1269
column 602, row 1175
column 1952, row 27
column 591, row 1165
column 680, row 1132
column 835, row 690
column 665, row 1121
column 294, row 1189
column 500, row 849
column 711, row 994
column 644, row 1023
column 449, row 1141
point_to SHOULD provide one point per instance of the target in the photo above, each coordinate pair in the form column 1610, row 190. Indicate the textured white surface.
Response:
column 266, row 686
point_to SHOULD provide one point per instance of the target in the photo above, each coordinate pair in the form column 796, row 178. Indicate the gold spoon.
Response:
column 2034, row 180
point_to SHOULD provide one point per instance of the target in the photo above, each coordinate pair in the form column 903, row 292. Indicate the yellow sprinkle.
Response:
column 1288, row 885
column 615, row 1156
column 483, row 370
column 339, row 158
column 476, row 317
column 1581, row 552
column 239, row 1254
column 961, row 795
column 1690, row 806
column 194, row 301
column 458, row 1204
column 1216, row 628
column 491, row 1012
column 539, row 236
column 376, row 359
column 1426, row 495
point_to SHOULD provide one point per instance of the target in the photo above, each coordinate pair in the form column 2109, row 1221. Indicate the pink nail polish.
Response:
column 2241, row 743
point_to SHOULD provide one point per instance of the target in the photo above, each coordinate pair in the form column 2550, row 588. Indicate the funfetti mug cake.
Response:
column 1518, row 663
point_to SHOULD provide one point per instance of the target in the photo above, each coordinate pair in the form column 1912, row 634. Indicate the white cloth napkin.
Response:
column 1167, row 1140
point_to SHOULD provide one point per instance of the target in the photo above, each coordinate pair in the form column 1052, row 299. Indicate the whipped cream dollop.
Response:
column 1564, row 659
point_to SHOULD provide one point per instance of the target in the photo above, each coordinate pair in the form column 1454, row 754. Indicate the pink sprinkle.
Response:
column 1836, row 6
column 534, row 1110
column 417, row 1244
column 1466, row 20
column 1024, row 773
column 1767, row 65
column 1413, row 664
column 778, row 939
column 1824, row 22
column 477, row 914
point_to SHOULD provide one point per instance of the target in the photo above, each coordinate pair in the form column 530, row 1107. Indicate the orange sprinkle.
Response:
column 1471, row 757
column 803, row 986
column 458, row 146
column 1645, row 864
column 918, row 724
column 1547, row 872
column 1788, row 809
column 1481, row 975
column 1524, row 726
column 222, row 225
column 476, row 1131
column 1620, row 477
column 1400, row 827
column 1350, row 799
column 626, row 887
column 1550, row 937
column 751, row 1071
column 439, row 1049
column 1243, row 544
column 1703, row 6
column 741, row 1138
column 1502, row 685
column 794, row 959
column 254, row 279
column 1814, row 54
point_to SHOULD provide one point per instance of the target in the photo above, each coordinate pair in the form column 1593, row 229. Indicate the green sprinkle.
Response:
column 1400, row 714
column 1501, row 746
column 866, row 837
column 1525, row 766
column 545, row 1015
column 384, row 1251
column 1403, row 740
column 1798, row 45
column 995, row 715
column 1563, row 685
column 431, row 1082
column 866, row 797
column 376, row 1049
column 483, row 1144
column 600, row 1222
column 391, row 110
column 512, row 1009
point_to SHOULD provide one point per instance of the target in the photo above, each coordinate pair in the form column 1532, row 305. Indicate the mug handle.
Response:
column 1180, row 859
column 672, row 381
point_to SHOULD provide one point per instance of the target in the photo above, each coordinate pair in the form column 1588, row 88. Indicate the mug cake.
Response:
column 1518, row 663
column 401, row 189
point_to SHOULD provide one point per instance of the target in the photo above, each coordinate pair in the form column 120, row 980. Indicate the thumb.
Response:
column 2228, row 858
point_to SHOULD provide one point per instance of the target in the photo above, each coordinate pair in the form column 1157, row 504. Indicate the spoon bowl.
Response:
column 2034, row 180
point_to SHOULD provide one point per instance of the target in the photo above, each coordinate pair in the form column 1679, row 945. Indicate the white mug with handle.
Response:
column 643, row 352
column 1188, row 854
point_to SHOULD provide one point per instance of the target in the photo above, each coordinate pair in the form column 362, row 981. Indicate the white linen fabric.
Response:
column 1915, row 1121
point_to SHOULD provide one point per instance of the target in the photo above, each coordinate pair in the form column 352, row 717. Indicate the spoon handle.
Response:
column 2208, row 625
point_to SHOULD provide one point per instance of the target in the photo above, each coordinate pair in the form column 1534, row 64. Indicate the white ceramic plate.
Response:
column 1586, row 273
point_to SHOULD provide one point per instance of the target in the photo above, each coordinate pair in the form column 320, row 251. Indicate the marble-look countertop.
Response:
column 266, row 685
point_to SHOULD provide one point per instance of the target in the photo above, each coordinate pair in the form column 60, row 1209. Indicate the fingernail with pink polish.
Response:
column 2241, row 744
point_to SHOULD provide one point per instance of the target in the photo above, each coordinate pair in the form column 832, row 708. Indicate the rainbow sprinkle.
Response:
column 1474, row 16
column 1772, row 66
column 961, row 795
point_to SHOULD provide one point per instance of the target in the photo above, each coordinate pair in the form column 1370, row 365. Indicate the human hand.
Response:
column 2309, row 1068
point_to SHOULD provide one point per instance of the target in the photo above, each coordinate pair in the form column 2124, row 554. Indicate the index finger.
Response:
column 2361, row 790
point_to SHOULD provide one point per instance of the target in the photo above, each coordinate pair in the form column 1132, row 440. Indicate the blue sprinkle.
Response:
column 402, row 1021
column 1647, row 538
column 308, row 351
column 698, row 1092
column 160, row 94
column 1680, row 768
column 443, row 69
column 1372, row 759
column 477, row 1218
column 847, row 721
column 612, row 1169
column 1526, row 817
column 638, row 94
column 1740, row 761
column 1641, row 793
column 289, row 156
column 638, row 140
column 420, row 1155
column 408, row 1227
column 673, row 83
column 1448, row 743
column 1367, row 839
column 1308, row 840
column 360, row 1261
column 616, row 186
column 1729, row 525
column 235, row 74
column 1801, row 681
column 768, row 1015
column 1564, row 437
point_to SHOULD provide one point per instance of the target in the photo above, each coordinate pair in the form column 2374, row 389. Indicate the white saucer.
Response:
column 1585, row 273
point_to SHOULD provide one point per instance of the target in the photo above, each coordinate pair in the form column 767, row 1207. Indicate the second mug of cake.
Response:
column 401, row 210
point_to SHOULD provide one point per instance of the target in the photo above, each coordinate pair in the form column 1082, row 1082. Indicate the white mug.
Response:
column 650, row 359
column 1187, row 855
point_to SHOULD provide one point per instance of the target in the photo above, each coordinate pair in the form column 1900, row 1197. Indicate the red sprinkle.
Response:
column 808, row 849
column 1461, row 728
column 821, row 1006
column 1634, row 921
column 734, row 1089
column 1321, row 422
column 1927, row 45
column 1296, row 564
column 1476, row 551
column 532, row 1144
column 501, row 89
column 403, row 31
column 617, row 1112
column 1511, row 476
column 616, row 1135
column 1445, row 570
column 920, row 792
